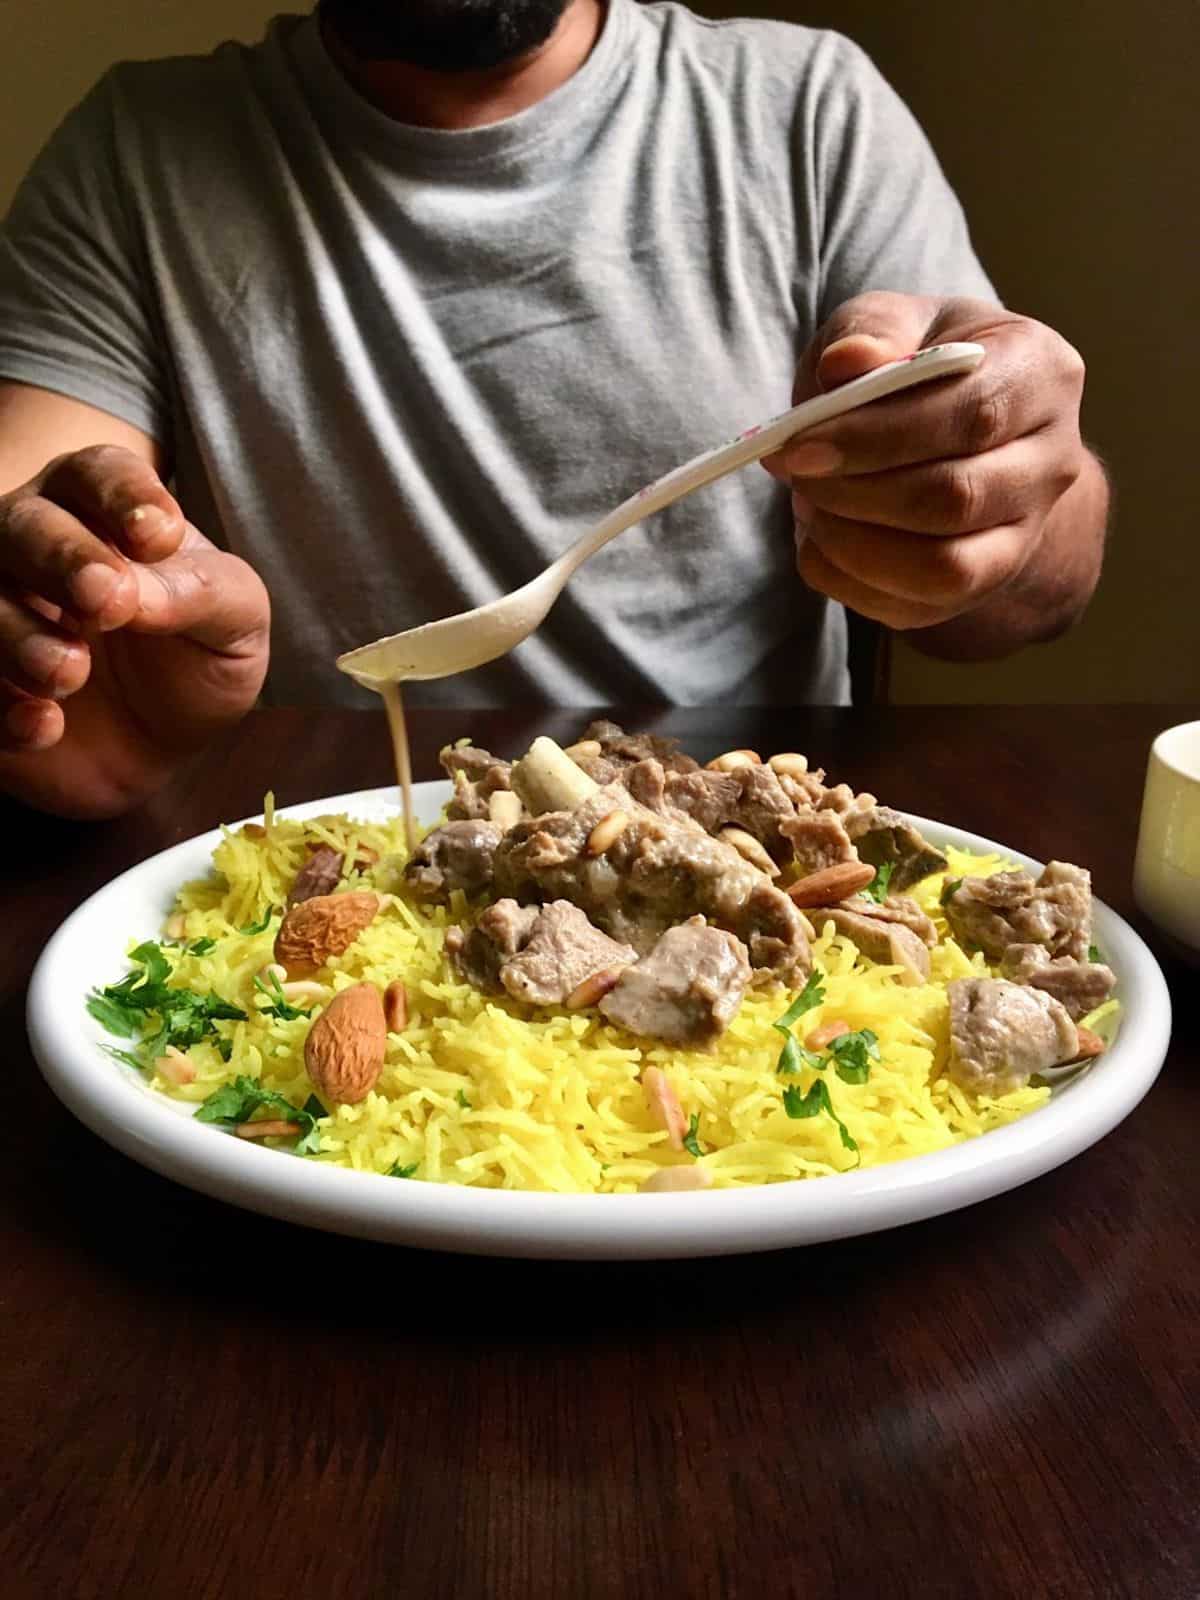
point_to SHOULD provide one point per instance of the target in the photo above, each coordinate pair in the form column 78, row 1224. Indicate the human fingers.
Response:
column 36, row 655
column 119, row 497
column 28, row 724
column 955, row 495
column 943, row 576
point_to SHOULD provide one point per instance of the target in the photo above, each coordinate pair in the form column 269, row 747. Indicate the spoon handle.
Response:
column 938, row 361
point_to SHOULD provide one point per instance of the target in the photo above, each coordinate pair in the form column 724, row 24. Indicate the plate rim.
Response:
column 128, row 1115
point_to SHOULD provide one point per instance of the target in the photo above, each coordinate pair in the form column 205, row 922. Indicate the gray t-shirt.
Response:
column 400, row 369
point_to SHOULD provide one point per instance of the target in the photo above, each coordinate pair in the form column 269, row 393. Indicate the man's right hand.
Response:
column 127, row 639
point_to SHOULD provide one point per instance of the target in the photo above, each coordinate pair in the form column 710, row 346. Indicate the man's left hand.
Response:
column 925, row 505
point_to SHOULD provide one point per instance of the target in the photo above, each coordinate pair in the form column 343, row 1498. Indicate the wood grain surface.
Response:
column 198, row 1401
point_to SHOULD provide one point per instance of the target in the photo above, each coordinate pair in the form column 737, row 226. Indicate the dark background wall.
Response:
column 1069, row 128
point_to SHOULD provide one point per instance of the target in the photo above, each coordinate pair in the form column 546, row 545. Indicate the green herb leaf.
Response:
column 691, row 1142
column 252, row 928
column 853, row 1054
column 126, row 1056
column 809, row 997
column 799, row 1105
column 225, row 1049
column 1094, row 955
column 817, row 1099
column 279, row 1006
column 463, row 1101
column 794, row 1056
column 111, row 1014
column 238, row 1101
column 150, row 956
column 878, row 887
column 950, row 887
column 397, row 1171
column 201, row 947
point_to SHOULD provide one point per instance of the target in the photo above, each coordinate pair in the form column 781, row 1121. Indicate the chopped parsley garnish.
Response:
column 252, row 928
column 794, row 1056
column 236, row 1102
column 143, row 1006
column 397, row 1171
column 1094, row 955
column 817, row 1099
column 853, row 1054
column 460, row 1096
column 951, row 886
column 280, row 1007
column 201, row 947
column 809, row 997
column 878, row 887
column 691, row 1142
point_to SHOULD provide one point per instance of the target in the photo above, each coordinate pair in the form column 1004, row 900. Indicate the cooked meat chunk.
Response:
column 889, row 944
column 1079, row 986
column 1054, row 911
column 480, row 952
column 561, row 951
column 457, row 855
column 629, row 748
column 749, row 797
column 899, row 908
column 687, row 988
column 882, row 835
column 477, row 774
column 657, row 872
column 320, row 874
column 1001, row 1033
column 818, row 839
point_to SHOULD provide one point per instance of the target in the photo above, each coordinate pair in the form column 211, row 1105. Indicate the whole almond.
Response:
column 322, row 927
column 831, row 884
column 1090, row 1045
column 346, row 1045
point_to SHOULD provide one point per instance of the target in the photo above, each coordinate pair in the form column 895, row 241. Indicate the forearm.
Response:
column 1050, row 592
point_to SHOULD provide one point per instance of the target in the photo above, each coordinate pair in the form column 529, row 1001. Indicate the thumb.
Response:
column 862, row 334
column 206, row 595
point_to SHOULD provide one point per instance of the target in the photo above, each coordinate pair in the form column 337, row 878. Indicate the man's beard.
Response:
column 446, row 35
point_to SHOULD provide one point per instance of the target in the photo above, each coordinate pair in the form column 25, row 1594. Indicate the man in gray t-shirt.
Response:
column 405, row 297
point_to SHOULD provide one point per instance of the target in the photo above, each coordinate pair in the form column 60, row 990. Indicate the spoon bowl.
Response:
column 473, row 638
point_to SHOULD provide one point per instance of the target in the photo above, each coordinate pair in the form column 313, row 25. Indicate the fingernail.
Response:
column 93, row 586
column 814, row 459
column 147, row 522
column 24, row 722
column 41, row 657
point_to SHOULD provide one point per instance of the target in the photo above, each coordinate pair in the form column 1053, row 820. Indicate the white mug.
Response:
column 1166, row 873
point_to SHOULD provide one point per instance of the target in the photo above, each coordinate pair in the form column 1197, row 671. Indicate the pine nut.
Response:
column 825, row 1035
column 267, row 1130
column 273, row 972
column 749, row 848
column 789, row 764
column 303, row 989
column 593, row 988
column 175, row 1067
column 585, row 750
column 395, row 1006
column 732, row 759
column 504, row 809
column 674, row 1180
column 831, row 884
column 606, row 833
column 176, row 925
column 664, row 1105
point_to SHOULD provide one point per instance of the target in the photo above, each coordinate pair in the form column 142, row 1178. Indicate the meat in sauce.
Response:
column 1054, row 911
column 686, row 990
column 458, row 855
column 1080, row 986
column 1001, row 1033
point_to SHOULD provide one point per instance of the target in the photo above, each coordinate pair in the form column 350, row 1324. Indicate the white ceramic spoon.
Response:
column 456, row 644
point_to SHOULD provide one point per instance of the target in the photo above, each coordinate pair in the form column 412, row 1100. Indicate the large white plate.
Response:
column 115, row 1103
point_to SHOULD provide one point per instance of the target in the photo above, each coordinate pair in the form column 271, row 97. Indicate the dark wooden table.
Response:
column 198, row 1401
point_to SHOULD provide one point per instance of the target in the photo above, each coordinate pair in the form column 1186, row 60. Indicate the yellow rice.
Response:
column 484, row 1091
